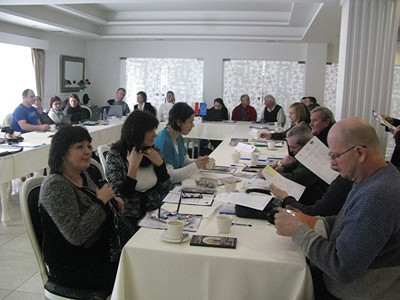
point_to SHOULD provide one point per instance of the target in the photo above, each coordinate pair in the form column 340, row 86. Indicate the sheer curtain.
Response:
column 156, row 76
column 282, row 79
column 38, row 60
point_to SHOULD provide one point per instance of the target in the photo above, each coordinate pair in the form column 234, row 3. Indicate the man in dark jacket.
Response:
column 322, row 120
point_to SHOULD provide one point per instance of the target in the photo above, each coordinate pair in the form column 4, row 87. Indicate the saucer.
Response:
column 165, row 238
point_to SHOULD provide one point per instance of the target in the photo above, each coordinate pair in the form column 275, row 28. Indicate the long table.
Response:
column 264, row 265
column 33, row 159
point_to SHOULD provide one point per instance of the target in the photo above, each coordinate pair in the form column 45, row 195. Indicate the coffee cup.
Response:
column 254, row 158
column 235, row 157
column 53, row 127
column 224, row 223
column 257, row 135
column 230, row 186
column 174, row 229
column 210, row 164
column 276, row 124
column 271, row 145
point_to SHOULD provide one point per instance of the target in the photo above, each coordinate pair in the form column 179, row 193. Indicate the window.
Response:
column 17, row 75
column 156, row 76
column 331, row 71
column 282, row 79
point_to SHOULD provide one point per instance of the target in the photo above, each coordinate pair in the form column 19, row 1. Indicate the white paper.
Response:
column 292, row 188
column 315, row 157
column 256, row 201
column 173, row 197
column 242, row 147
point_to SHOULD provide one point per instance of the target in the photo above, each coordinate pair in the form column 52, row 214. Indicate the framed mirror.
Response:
column 72, row 71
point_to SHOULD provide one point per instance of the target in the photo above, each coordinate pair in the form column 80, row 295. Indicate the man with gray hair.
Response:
column 273, row 112
column 358, row 251
column 297, row 138
column 322, row 120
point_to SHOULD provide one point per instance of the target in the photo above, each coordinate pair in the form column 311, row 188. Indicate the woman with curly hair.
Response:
column 135, row 169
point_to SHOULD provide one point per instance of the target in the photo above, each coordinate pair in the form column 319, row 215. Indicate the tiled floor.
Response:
column 19, row 275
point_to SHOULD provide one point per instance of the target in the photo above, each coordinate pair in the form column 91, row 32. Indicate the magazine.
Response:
column 213, row 241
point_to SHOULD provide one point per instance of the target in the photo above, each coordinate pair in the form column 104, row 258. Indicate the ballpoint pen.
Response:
column 242, row 224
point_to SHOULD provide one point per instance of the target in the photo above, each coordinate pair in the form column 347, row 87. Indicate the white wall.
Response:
column 57, row 45
column 103, row 61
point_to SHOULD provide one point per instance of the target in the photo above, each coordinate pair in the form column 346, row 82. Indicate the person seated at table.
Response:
column 329, row 204
column 143, row 104
column 321, row 121
column 273, row 112
column 55, row 112
column 172, row 145
column 298, row 114
column 395, row 159
column 119, row 100
column 217, row 113
column 163, row 110
column 25, row 116
column 356, row 254
column 310, row 102
column 76, row 217
column 43, row 117
column 290, row 168
column 135, row 169
column 74, row 109
column 244, row 111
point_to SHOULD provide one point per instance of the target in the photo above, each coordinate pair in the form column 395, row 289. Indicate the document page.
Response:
column 256, row 201
column 314, row 156
column 292, row 188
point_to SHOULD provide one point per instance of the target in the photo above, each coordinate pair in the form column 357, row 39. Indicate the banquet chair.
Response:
column 88, row 112
column 102, row 153
column 8, row 119
column 96, row 171
column 29, row 198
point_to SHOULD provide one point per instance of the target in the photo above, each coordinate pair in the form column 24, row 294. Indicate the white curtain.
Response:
column 38, row 60
column 156, row 76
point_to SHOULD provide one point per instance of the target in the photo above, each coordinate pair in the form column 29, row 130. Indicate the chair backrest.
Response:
column 29, row 198
column 102, row 153
column 95, row 171
column 88, row 113
column 8, row 119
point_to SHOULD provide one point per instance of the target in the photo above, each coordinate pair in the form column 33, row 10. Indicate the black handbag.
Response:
column 268, row 213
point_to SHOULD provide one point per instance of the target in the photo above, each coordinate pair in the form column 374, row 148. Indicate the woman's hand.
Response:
column 105, row 193
column 134, row 159
column 281, row 194
column 154, row 156
column 201, row 161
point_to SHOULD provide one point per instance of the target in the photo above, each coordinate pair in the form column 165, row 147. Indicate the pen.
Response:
column 246, row 158
column 242, row 224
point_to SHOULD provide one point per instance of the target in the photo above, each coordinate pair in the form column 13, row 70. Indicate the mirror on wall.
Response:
column 72, row 72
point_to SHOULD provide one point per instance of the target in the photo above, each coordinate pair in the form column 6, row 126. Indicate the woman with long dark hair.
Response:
column 135, row 169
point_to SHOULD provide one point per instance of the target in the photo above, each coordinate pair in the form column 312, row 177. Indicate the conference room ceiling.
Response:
column 310, row 21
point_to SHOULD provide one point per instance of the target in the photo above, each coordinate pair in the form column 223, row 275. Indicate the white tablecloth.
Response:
column 264, row 265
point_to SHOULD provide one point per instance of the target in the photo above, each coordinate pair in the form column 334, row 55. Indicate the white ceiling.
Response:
column 311, row 21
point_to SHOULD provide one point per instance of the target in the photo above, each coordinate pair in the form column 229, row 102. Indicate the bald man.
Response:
column 356, row 252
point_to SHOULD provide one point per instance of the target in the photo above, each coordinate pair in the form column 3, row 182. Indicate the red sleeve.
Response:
column 236, row 114
column 252, row 114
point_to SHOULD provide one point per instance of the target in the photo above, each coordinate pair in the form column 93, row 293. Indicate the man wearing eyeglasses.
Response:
column 357, row 251
column 297, row 137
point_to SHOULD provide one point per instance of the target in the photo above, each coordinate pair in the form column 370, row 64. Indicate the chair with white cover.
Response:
column 102, row 151
column 8, row 119
column 29, row 198
column 88, row 112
